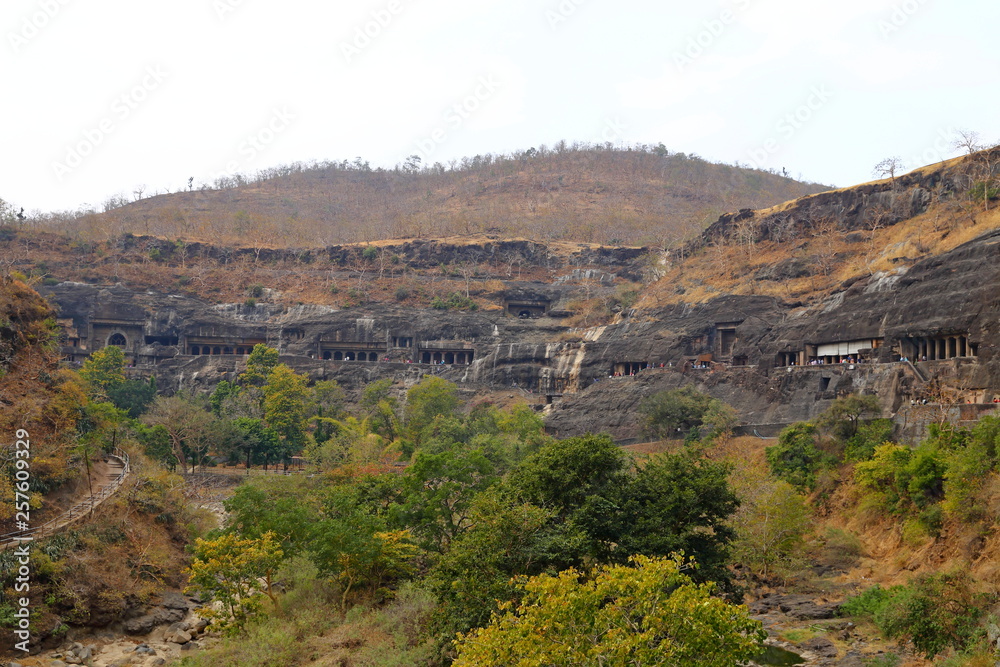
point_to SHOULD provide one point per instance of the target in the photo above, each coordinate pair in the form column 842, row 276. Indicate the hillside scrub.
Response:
column 648, row 613
column 588, row 193
column 802, row 251
column 935, row 612
column 486, row 498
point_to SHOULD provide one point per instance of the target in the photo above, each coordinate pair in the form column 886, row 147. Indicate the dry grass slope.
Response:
column 631, row 196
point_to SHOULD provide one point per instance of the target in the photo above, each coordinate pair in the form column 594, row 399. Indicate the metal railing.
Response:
column 77, row 511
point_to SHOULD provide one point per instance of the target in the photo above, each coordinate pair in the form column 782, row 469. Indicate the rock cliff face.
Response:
column 753, row 352
column 927, row 330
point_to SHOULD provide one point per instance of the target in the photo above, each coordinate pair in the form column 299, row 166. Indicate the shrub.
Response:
column 650, row 613
column 402, row 294
column 455, row 301
column 255, row 291
column 904, row 478
column 795, row 458
column 861, row 446
column 865, row 604
column 685, row 410
column 935, row 612
column 983, row 191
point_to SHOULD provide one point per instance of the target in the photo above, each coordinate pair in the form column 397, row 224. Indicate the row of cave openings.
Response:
column 219, row 350
column 929, row 348
column 939, row 347
column 462, row 358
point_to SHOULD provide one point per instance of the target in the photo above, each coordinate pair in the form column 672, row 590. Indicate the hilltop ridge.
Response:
column 639, row 195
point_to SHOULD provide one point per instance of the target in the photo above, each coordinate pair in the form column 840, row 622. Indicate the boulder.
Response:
column 821, row 646
column 177, row 636
column 158, row 616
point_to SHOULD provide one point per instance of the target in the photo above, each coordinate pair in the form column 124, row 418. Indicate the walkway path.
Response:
column 118, row 464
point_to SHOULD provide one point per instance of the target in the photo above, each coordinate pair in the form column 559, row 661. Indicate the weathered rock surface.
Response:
column 755, row 350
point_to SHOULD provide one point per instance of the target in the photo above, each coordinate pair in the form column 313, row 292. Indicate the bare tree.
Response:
column 968, row 141
column 980, row 166
column 745, row 232
column 888, row 168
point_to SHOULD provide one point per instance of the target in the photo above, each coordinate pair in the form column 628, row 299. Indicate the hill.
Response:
column 634, row 196
column 808, row 249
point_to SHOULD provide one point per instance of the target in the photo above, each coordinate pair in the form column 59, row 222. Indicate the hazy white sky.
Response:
column 103, row 96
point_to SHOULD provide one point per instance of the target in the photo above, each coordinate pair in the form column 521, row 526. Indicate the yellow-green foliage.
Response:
column 770, row 524
column 650, row 613
column 237, row 572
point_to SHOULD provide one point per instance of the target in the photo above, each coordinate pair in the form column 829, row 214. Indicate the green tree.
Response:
column 845, row 414
column 356, row 548
column 224, row 391
column 285, row 405
column 650, row 613
column 238, row 572
column 327, row 405
column 255, row 442
column 98, row 429
column 795, row 458
column 155, row 441
column 970, row 457
column 104, row 370
column 429, row 398
column 438, row 490
column 188, row 426
column 675, row 503
column 903, row 477
column 133, row 396
column 506, row 436
column 283, row 508
column 565, row 473
column 381, row 408
column 769, row 524
column 507, row 539
column 685, row 410
column 870, row 434
column 261, row 361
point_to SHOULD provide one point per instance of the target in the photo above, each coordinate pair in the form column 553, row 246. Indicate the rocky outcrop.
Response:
column 757, row 353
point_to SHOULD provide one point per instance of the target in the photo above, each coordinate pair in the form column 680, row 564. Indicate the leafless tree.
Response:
column 888, row 168
column 745, row 233
column 968, row 141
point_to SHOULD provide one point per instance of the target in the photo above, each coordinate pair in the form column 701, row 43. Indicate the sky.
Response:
column 112, row 98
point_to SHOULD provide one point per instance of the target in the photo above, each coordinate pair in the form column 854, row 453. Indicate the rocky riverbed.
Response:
column 158, row 636
column 809, row 627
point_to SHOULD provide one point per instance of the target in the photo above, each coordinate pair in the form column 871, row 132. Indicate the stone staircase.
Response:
column 120, row 469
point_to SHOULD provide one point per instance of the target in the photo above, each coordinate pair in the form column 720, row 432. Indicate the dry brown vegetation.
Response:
column 635, row 196
column 822, row 256
column 34, row 394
